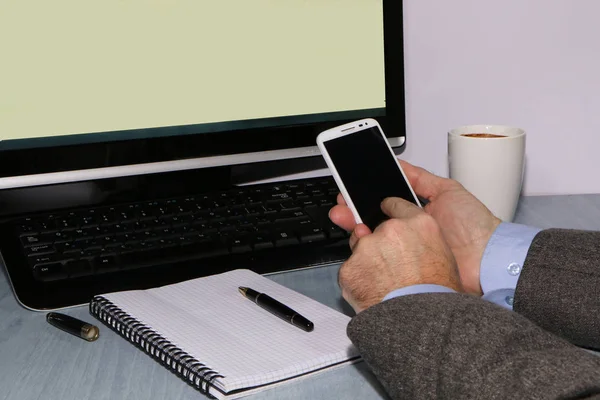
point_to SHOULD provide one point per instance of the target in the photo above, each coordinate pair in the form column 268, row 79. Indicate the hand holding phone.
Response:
column 365, row 169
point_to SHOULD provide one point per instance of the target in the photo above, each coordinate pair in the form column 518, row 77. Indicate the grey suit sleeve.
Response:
column 559, row 288
column 448, row 346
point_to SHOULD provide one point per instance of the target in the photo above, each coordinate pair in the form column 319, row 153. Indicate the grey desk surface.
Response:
column 38, row 361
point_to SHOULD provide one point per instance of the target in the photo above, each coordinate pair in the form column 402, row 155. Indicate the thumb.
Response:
column 424, row 183
column 395, row 207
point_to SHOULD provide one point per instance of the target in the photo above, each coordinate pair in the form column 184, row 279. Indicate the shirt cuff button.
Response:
column 514, row 269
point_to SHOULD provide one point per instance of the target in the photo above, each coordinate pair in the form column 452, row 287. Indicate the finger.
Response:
column 360, row 231
column 395, row 207
column 353, row 241
column 341, row 200
column 423, row 182
column 342, row 217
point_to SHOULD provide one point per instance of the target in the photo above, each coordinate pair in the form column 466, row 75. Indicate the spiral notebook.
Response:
column 221, row 343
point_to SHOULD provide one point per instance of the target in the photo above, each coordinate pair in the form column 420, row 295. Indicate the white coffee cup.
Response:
column 491, row 167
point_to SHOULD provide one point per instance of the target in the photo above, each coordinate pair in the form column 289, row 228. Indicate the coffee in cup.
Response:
column 483, row 135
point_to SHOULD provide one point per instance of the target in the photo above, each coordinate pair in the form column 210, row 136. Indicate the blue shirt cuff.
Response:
column 502, row 297
column 418, row 289
column 504, row 256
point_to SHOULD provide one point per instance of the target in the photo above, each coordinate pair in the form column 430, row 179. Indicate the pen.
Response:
column 73, row 326
column 277, row 308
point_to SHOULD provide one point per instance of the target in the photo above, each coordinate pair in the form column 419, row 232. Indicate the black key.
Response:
column 292, row 216
column 163, row 211
column 311, row 234
column 146, row 214
column 50, row 272
column 276, row 197
column 30, row 240
column 64, row 236
column 50, row 237
column 89, row 221
column 177, row 220
column 105, row 240
column 333, row 191
column 181, row 240
column 79, row 268
column 105, row 215
column 289, row 205
column 263, row 220
column 68, row 247
column 206, row 228
column 306, row 203
column 285, row 238
column 319, row 214
column 97, row 231
column 46, row 223
column 335, row 232
column 254, row 210
column 270, row 209
column 301, row 194
column 240, row 245
column 324, row 202
column 262, row 241
column 45, row 259
column 80, row 234
column 68, row 221
column 226, row 226
column 145, row 235
column 124, row 227
column 106, row 264
column 40, row 249
column 89, row 244
column 125, row 213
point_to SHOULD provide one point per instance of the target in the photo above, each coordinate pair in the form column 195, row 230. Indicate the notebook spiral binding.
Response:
column 150, row 342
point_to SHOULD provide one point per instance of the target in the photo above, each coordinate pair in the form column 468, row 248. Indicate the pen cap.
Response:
column 89, row 332
column 73, row 326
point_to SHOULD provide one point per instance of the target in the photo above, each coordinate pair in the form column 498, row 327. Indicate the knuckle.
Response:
column 392, row 226
column 359, row 245
column 346, row 274
column 427, row 222
column 453, row 184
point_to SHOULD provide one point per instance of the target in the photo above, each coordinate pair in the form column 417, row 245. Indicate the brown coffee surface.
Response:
column 483, row 135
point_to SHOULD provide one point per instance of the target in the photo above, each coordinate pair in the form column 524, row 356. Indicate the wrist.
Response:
column 476, row 257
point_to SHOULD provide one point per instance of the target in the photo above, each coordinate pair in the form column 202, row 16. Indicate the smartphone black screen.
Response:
column 369, row 172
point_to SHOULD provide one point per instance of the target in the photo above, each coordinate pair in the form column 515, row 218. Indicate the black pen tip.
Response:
column 309, row 327
column 243, row 290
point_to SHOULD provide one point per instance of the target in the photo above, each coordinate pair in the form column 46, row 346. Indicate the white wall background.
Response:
column 530, row 63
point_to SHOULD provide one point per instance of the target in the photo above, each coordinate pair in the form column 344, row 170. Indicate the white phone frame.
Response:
column 349, row 129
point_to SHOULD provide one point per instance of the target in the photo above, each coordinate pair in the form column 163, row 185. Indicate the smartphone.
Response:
column 365, row 169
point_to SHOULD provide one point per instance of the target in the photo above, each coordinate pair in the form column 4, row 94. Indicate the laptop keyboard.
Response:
column 85, row 242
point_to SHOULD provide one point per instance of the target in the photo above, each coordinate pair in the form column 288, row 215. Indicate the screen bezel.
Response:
column 169, row 152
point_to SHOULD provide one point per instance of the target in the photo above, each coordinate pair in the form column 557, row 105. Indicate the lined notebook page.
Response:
column 209, row 319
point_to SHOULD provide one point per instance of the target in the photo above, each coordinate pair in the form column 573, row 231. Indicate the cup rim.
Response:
column 482, row 128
